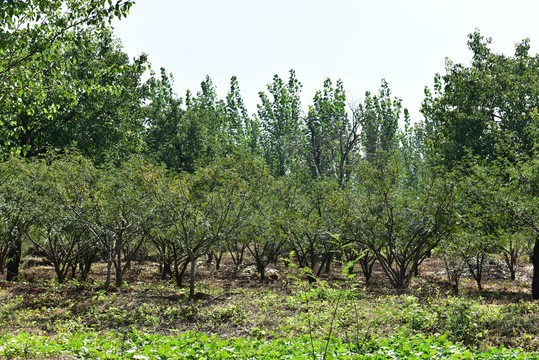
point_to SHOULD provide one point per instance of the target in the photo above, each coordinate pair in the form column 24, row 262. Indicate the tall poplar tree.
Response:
column 281, row 125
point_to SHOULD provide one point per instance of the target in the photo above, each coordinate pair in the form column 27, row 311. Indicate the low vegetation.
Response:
column 234, row 316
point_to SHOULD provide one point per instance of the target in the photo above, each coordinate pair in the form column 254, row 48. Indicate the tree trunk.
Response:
column 73, row 270
column 328, row 263
column 13, row 260
column 60, row 277
column 218, row 259
column 261, row 268
column 209, row 257
column 109, row 269
column 366, row 268
column 118, row 264
column 535, row 261
column 511, row 258
column 85, row 265
column 179, row 274
column 166, row 270
column 415, row 267
column 192, row 279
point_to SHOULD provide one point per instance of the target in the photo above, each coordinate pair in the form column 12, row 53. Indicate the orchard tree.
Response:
column 204, row 208
column 351, row 211
column 55, row 235
column 18, row 209
column 262, row 232
column 401, row 224
column 515, row 242
column 115, row 206
column 306, row 221
column 73, row 182
column 122, row 209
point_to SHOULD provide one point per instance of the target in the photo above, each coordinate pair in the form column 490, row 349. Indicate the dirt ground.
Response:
column 432, row 280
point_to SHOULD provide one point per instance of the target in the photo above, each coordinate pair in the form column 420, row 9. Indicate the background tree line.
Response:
column 101, row 165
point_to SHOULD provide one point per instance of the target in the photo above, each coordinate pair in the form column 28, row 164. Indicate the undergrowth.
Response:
column 135, row 345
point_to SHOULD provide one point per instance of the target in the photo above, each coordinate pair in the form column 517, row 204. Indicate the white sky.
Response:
column 359, row 41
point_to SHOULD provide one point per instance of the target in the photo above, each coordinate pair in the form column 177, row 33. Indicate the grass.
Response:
column 39, row 318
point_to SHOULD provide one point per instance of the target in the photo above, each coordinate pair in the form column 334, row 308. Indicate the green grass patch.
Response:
column 135, row 345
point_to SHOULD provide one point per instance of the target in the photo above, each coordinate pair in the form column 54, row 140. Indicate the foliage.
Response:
column 472, row 105
column 400, row 223
column 280, row 119
column 306, row 222
column 379, row 118
column 206, row 208
column 134, row 345
column 333, row 137
column 40, row 44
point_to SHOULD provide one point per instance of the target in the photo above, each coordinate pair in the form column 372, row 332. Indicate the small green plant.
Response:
column 233, row 314
column 463, row 320
column 136, row 345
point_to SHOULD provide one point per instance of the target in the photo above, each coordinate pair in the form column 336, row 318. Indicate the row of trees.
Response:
column 332, row 180
column 74, row 213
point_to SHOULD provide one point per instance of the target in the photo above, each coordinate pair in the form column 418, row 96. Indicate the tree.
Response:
column 305, row 220
column 280, row 119
column 123, row 208
column 99, row 114
column 350, row 209
column 55, row 235
column 333, row 137
column 30, row 28
column 163, row 117
column 73, row 181
column 34, row 36
column 237, row 126
column 263, row 229
column 114, row 204
column 487, row 112
column 515, row 242
column 514, row 190
column 470, row 106
column 401, row 224
column 379, row 119
column 202, row 209
column 18, row 209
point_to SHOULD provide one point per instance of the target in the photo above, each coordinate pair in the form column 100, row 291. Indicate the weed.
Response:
column 233, row 314
column 463, row 320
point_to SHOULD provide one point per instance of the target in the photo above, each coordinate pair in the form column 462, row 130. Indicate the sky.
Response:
column 360, row 42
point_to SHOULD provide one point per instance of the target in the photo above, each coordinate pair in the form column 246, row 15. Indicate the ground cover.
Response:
column 200, row 346
column 238, row 316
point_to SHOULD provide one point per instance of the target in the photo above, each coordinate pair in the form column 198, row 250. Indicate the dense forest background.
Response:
column 99, row 164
